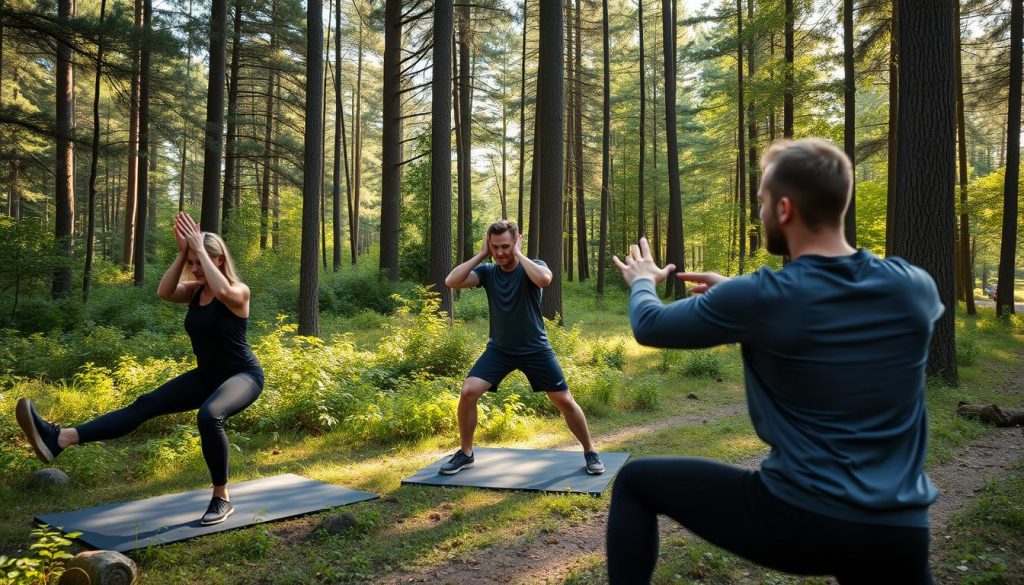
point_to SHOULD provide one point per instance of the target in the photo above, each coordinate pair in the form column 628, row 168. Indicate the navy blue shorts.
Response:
column 541, row 369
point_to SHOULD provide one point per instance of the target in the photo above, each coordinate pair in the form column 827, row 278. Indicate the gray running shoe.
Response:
column 457, row 463
column 217, row 512
column 594, row 465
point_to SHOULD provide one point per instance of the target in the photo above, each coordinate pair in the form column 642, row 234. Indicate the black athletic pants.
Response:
column 730, row 507
column 216, row 396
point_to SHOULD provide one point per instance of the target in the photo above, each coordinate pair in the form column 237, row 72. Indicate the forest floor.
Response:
column 464, row 535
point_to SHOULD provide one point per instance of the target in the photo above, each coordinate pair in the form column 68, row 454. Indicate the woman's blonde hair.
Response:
column 215, row 246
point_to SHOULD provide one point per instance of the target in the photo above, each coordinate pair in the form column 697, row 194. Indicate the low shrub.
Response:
column 703, row 363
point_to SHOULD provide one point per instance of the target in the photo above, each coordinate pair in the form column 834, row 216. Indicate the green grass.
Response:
column 412, row 526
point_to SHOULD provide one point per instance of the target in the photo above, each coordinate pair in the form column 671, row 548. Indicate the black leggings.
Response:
column 730, row 507
column 216, row 396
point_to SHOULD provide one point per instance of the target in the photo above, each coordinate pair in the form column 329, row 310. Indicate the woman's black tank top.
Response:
column 218, row 337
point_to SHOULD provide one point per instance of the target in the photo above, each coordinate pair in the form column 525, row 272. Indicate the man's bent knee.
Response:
column 474, row 388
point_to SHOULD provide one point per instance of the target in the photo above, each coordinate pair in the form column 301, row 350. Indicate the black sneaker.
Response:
column 217, row 512
column 457, row 463
column 42, row 435
column 594, row 465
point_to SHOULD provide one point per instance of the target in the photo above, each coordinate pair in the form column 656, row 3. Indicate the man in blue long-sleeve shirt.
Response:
column 834, row 347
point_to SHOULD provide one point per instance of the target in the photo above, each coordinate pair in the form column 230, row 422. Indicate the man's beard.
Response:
column 775, row 240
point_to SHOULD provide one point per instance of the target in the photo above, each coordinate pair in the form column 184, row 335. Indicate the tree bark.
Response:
column 850, row 119
column 230, row 158
column 967, row 266
column 641, row 213
column 131, row 194
column 309, row 277
column 268, row 136
column 213, row 146
column 605, row 152
column 676, row 249
column 787, row 104
column 581, row 223
column 1008, row 249
column 441, row 162
column 466, row 129
column 391, row 176
column 522, row 120
column 924, row 216
column 188, row 99
column 90, row 236
column 548, row 151
column 894, row 103
column 64, row 220
column 752, row 169
column 357, row 152
column 741, row 172
column 145, row 148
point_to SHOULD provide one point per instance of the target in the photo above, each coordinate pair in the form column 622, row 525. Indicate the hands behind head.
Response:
column 639, row 264
column 485, row 251
column 518, row 249
column 187, row 233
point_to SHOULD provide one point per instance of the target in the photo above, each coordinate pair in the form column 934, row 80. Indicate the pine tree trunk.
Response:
column 581, row 223
column 752, row 179
column 522, row 120
column 924, row 218
column 391, row 175
column 90, row 236
column 65, row 156
column 1008, row 248
column 850, row 119
column 641, row 227
column 230, row 159
column 967, row 266
column 268, row 137
column 213, row 147
column 466, row 129
column 787, row 104
column 894, row 102
column 676, row 250
column 741, row 147
column 548, row 151
column 184, row 122
column 602, row 244
column 145, row 146
column 357, row 152
column 441, row 148
column 309, row 277
column 128, row 241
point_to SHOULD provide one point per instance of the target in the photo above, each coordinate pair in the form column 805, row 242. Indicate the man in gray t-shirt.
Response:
column 517, row 339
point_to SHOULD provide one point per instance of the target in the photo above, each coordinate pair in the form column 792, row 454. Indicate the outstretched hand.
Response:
column 702, row 280
column 639, row 264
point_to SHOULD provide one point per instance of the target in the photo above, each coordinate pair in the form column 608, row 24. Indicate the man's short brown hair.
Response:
column 815, row 174
column 499, row 227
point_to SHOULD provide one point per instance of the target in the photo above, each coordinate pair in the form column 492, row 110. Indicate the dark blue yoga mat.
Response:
column 526, row 469
column 175, row 517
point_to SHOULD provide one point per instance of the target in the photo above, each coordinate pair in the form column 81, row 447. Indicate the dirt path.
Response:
column 549, row 557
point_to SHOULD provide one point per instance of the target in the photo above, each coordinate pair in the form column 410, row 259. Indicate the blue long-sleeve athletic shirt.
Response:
column 834, row 353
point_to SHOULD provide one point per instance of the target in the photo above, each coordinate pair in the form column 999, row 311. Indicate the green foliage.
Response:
column 703, row 363
column 309, row 383
column 612, row 355
column 967, row 350
column 419, row 340
column 352, row 291
column 642, row 394
column 418, row 408
column 45, row 562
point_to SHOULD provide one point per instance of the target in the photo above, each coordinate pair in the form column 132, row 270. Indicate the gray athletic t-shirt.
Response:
column 834, row 351
column 516, row 325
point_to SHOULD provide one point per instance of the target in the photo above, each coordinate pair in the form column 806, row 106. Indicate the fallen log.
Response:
column 991, row 414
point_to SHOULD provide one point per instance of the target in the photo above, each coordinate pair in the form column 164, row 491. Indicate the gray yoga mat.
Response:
column 526, row 469
column 171, row 518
